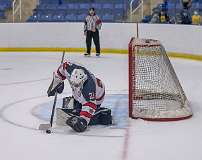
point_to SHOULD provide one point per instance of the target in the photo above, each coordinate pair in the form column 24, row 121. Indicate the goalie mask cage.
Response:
column 155, row 92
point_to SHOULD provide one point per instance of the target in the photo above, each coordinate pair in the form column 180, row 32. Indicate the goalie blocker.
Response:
column 69, row 115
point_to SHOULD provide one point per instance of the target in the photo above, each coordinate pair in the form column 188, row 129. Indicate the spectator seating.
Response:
column 175, row 8
column 75, row 11
column 4, row 5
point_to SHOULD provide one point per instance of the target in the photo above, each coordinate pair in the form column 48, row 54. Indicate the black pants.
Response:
column 96, row 39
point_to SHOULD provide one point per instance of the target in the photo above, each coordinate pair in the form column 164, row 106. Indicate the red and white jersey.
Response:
column 90, row 94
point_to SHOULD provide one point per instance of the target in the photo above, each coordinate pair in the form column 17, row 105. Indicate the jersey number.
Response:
column 92, row 96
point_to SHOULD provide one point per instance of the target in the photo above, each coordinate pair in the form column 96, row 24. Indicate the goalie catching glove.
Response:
column 77, row 123
column 57, row 85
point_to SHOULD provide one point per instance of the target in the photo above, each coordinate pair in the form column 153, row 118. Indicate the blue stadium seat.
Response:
column 45, row 18
column 63, row 7
column 85, row 6
column 58, row 18
column 42, row 6
column 171, row 6
column 179, row 6
column 73, row 6
column 119, row 6
column 5, row 4
column 97, row 6
column 118, row 15
column 70, row 18
column 81, row 17
column 108, row 6
column 71, row 10
column 52, row 6
column 2, row 7
column 108, row 18
column 2, row 14
column 200, row 7
column 49, row 2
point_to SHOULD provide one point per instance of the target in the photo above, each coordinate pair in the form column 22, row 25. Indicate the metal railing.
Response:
column 17, row 10
column 134, row 10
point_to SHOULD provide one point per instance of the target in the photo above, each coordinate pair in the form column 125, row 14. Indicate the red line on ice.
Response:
column 126, row 143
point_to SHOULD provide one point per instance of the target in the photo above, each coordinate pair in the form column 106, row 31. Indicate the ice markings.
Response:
column 117, row 102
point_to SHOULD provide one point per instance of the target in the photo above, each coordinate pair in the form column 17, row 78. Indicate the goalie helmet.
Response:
column 78, row 77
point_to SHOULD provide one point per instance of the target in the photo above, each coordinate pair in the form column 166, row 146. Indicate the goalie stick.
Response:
column 48, row 126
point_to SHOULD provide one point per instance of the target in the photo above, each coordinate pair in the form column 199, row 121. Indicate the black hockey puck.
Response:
column 48, row 131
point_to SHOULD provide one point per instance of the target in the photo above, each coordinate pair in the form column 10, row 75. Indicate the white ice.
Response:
column 24, row 78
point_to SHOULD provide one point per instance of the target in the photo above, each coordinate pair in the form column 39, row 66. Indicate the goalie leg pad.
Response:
column 62, row 114
column 102, row 116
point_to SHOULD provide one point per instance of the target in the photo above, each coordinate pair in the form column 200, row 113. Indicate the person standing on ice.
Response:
column 92, row 25
column 88, row 92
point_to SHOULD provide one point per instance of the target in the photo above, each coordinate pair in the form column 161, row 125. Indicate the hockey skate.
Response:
column 97, row 54
column 87, row 54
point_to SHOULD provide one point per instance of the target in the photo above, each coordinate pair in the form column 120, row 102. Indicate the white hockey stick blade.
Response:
column 44, row 126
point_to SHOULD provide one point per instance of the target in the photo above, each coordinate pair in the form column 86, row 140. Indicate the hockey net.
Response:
column 155, row 92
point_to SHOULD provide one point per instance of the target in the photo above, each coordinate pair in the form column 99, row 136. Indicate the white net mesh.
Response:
column 156, row 91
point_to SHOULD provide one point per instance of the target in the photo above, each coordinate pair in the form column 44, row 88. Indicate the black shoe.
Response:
column 87, row 54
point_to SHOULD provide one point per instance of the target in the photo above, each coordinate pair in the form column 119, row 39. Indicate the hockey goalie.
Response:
column 83, row 108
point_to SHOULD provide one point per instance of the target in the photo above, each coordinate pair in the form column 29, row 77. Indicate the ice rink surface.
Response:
column 24, row 79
